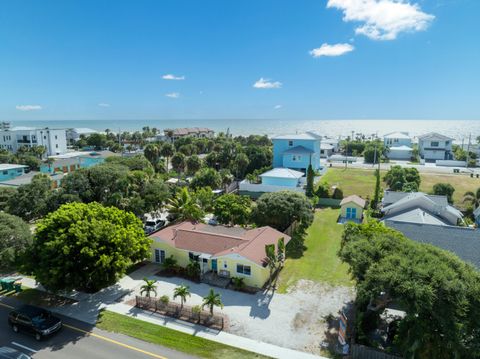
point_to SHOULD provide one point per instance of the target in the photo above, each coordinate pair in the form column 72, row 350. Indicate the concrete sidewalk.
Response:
column 263, row 348
column 88, row 305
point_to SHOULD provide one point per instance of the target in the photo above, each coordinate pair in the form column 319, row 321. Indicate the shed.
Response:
column 352, row 208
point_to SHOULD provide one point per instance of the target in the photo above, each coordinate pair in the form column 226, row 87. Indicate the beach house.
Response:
column 297, row 152
column 72, row 161
column 434, row 146
column 223, row 252
column 399, row 145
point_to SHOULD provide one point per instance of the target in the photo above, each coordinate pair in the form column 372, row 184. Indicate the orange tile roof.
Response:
column 196, row 238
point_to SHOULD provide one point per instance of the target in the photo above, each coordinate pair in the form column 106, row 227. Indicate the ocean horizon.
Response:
column 458, row 129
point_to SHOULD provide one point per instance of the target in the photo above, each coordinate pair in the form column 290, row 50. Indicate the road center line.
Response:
column 101, row 337
column 24, row 347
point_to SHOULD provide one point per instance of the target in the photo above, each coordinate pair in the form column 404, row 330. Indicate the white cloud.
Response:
column 28, row 107
column 383, row 19
column 277, row 107
column 172, row 77
column 173, row 95
column 267, row 84
column 103, row 104
column 332, row 50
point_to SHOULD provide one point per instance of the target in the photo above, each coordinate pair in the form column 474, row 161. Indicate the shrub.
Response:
column 337, row 193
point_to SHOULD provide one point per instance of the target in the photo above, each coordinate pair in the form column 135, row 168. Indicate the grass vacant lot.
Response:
column 352, row 181
column 362, row 182
column 461, row 182
column 173, row 339
column 319, row 262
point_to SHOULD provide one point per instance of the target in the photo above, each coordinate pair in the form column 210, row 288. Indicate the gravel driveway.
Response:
column 295, row 320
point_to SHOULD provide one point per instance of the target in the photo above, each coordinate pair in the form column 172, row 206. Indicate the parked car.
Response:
column 34, row 320
column 153, row 225
column 10, row 353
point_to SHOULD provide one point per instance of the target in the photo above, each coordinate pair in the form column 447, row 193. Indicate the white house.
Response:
column 277, row 179
column 399, row 145
column 73, row 134
column 54, row 140
column 326, row 150
column 434, row 146
column 196, row 132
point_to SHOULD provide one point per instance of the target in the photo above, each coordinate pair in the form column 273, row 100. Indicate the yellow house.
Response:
column 352, row 208
column 226, row 251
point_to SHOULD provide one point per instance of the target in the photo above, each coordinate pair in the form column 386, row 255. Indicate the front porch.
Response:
column 215, row 280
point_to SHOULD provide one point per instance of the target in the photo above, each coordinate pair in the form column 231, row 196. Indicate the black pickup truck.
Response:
column 34, row 320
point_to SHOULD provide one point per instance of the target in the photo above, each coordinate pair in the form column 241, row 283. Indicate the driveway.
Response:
column 294, row 320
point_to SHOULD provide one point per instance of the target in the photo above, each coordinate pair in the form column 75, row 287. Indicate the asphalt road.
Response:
column 78, row 340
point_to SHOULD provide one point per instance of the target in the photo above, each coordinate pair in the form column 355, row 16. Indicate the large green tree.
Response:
column 15, row 238
column 86, row 247
column 281, row 209
column 30, row 200
column 439, row 293
column 403, row 179
column 233, row 209
column 444, row 189
column 206, row 177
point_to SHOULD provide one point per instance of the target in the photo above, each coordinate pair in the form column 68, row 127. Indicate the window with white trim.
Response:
column 243, row 269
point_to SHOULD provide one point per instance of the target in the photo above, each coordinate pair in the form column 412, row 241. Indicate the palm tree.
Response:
column 212, row 300
column 227, row 178
column 167, row 151
column 184, row 208
column 281, row 251
column 169, row 264
column 472, row 198
column 148, row 287
column 270, row 259
column 151, row 152
column 183, row 292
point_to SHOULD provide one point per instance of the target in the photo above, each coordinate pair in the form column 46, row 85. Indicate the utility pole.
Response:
column 468, row 148
column 346, row 154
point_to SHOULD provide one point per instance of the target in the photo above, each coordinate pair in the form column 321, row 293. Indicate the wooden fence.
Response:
column 358, row 351
column 186, row 313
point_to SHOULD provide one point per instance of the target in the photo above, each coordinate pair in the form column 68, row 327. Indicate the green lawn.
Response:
column 362, row 182
column 351, row 181
column 461, row 182
column 319, row 262
column 173, row 339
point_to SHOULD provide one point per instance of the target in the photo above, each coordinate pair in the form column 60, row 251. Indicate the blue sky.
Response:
column 388, row 59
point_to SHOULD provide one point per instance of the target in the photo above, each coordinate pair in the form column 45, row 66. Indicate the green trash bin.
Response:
column 18, row 286
column 9, row 285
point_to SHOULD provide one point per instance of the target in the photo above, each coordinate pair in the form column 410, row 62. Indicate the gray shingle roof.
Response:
column 463, row 241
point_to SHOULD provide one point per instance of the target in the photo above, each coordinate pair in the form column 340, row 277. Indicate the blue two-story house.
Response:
column 297, row 151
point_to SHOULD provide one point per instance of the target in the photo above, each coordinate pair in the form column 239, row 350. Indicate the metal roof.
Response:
column 283, row 173
column 10, row 166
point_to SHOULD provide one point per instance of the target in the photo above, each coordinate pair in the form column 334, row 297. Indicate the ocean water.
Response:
column 458, row 129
